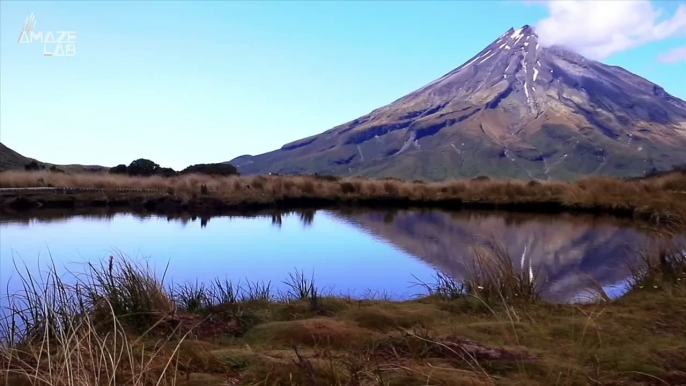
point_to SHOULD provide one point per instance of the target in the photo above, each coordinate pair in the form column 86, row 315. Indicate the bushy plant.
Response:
column 119, row 169
column 220, row 169
column 142, row 167
column 33, row 166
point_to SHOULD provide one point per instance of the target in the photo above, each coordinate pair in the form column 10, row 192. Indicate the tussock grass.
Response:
column 659, row 266
column 492, row 277
column 226, row 292
column 496, row 277
column 662, row 197
column 82, row 331
column 194, row 297
column 88, row 355
column 302, row 288
column 443, row 286
column 48, row 307
column 133, row 292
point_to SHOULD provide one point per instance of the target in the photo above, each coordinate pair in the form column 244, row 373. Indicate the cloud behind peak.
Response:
column 598, row 29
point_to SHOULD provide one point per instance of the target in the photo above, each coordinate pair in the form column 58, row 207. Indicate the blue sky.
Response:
column 194, row 82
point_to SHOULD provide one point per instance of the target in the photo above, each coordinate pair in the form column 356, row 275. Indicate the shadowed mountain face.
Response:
column 10, row 159
column 568, row 253
column 516, row 109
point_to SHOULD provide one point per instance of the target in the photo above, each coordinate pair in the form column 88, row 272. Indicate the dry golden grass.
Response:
column 86, row 354
column 661, row 197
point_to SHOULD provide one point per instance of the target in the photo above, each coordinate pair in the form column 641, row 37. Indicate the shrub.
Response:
column 220, row 169
column 165, row 172
column 142, row 167
column 33, row 166
column 119, row 169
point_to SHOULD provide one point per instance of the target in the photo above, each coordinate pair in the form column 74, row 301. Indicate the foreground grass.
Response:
column 658, row 198
column 119, row 325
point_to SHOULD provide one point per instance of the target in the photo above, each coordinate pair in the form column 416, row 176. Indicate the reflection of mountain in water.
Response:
column 571, row 253
column 568, row 252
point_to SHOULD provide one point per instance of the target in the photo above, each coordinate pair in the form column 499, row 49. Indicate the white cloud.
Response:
column 598, row 29
column 675, row 55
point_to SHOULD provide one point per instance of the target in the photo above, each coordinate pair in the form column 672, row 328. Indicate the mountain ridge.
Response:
column 514, row 110
column 12, row 160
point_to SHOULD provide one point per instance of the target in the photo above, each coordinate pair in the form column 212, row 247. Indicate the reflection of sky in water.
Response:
column 340, row 255
column 613, row 291
column 349, row 252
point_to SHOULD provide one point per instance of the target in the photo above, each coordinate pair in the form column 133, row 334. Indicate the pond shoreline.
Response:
column 492, row 327
column 656, row 199
column 166, row 204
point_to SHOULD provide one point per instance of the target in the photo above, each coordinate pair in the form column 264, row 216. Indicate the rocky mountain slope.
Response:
column 516, row 109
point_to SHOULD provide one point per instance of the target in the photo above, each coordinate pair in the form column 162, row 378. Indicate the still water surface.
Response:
column 348, row 251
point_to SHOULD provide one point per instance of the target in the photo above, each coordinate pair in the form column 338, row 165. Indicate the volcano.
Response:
column 515, row 110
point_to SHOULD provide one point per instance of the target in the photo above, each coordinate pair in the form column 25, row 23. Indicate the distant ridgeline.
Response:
column 35, row 166
column 145, row 167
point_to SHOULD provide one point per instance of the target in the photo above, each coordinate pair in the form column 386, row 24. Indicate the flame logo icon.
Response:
column 29, row 26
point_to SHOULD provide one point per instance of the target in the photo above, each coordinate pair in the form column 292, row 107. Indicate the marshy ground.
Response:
column 661, row 198
column 119, row 324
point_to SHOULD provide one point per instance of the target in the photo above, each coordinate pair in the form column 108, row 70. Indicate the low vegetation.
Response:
column 657, row 198
column 145, row 168
column 120, row 324
column 35, row 166
column 212, row 169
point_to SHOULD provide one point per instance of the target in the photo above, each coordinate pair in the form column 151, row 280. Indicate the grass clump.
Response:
column 192, row 297
column 132, row 292
column 301, row 288
column 660, row 266
column 258, row 291
column 496, row 277
column 444, row 287
column 114, row 292
column 226, row 292
column 92, row 330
